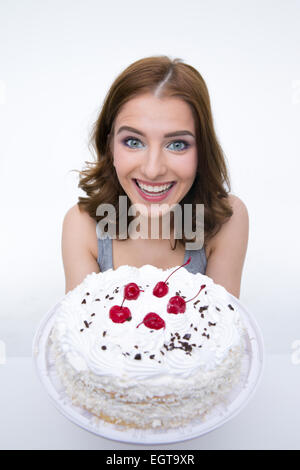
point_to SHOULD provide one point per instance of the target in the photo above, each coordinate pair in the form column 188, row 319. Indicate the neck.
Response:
column 158, row 227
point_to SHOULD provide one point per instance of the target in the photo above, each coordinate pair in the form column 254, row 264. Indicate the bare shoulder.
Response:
column 226, row 251
column 240, row 211
column 79, row 247
column 83, row 226
column 235, row 228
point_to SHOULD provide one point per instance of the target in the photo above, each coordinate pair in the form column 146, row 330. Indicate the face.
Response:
column 156, row 159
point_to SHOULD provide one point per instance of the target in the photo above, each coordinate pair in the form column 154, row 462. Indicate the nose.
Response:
column 154, row 164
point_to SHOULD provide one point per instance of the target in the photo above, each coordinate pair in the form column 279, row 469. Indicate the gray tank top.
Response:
column 105, row 259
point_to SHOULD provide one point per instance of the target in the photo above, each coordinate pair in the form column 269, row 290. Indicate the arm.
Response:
column 228, row 249
column 78, row 235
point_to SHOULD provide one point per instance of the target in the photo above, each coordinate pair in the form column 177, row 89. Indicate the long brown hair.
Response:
column 168, row 78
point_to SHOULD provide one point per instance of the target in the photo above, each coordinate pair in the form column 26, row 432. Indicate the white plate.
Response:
column 236, row 400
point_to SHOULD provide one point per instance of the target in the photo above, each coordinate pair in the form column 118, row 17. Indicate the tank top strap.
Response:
column 104, row 258
column 198, row 261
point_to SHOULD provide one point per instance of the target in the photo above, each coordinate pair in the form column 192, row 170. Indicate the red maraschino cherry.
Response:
column 177, row 304
column 161, row 287
column 119, row 314
column 132, row 291
column 153, row 321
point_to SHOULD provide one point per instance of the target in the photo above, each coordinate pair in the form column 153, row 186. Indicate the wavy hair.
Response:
column 164, row 78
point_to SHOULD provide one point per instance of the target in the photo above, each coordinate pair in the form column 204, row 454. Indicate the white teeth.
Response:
column 154, row 189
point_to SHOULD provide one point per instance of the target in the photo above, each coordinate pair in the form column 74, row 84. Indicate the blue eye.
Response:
column 128, row 139
column 180, row 145
column 180, row 142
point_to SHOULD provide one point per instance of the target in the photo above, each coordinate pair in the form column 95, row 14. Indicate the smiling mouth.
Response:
column 153, row 192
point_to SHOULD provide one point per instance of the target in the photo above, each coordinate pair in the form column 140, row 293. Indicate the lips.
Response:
column 147, row 183
column 154, row 197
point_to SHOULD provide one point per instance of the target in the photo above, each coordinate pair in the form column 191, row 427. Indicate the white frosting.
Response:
column 81, row 346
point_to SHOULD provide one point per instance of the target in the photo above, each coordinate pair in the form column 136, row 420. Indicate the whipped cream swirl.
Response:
column 199, row 339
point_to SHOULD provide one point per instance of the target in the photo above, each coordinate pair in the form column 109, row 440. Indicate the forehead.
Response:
column 164, row 114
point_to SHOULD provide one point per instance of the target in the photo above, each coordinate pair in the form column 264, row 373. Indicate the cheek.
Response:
column 186, row 168
column 123, row 162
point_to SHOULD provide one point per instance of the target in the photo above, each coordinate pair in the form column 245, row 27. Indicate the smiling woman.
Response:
column 164, row 166
column 155, row 142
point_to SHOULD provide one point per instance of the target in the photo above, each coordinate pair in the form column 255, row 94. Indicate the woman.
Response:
column 155, row 132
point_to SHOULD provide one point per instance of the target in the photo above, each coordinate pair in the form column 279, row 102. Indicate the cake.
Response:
column 147, row 347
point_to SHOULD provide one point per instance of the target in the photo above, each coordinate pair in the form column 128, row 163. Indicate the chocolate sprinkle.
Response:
column 201, row 309
column 103, row 347
column 84, row 301
column 185, row 346
column 152, row 356
column 138, row 357
column 231, row 307
column 86, row 324
column 211, row 324
column 187, row 336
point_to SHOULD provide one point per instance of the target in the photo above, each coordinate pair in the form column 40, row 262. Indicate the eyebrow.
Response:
column 170, row 134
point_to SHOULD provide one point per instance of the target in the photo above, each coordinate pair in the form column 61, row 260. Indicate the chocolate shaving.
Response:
column 86, row 324
column 201, row 309
column 103, row 347
column 187, row 336
column 84, row 301
column 230, row 306
column 207, row 336
column 138, row 357
column 185, row 346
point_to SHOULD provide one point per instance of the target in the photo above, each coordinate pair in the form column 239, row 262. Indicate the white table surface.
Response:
column 271, row 420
